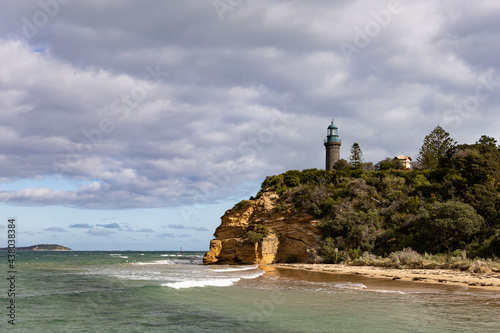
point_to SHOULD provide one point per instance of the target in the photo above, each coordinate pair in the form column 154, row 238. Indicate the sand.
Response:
column 487, row 281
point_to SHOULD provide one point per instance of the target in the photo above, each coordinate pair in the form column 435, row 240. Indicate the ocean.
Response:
column 98, row 291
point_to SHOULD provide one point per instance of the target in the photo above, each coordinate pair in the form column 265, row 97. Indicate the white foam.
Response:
column 349, row 285
column 201, row 283
column 224, row 281
column 136, row 277
column 158, row 262
column 187, row 261
column 116, row 255
column 170, row 255
column 383, row 291
column 236, row 269
column 254, row 275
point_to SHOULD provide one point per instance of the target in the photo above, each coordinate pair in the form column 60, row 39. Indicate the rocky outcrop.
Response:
column 286, row 235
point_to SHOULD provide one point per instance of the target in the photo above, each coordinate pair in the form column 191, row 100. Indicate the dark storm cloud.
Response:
column 163, row 103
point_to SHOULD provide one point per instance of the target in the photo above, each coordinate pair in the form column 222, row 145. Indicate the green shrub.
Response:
column 353, row 254
column 281, row 207
column 259, row 228
column 253, row 237
column 242, row 203
column 412, row 205
column 457, row 256
column 327, row 250
column 258, row 234
column 291, row 178
column 420, row 182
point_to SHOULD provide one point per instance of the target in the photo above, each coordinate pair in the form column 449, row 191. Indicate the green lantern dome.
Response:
column 332, row 134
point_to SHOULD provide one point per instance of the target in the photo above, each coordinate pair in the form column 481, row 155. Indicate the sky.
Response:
column 134, row 125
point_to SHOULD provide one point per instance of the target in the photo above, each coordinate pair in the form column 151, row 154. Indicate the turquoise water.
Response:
column 171, row 292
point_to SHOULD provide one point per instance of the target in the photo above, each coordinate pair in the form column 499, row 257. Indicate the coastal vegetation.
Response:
column 448, row 205
column 410, row 259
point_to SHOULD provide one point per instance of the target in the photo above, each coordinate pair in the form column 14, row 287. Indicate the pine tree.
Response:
column 434, row 148
column 487, row 141
column 356, row 158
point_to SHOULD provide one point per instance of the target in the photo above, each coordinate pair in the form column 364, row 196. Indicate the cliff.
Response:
column 453, row 209
column 259, row 232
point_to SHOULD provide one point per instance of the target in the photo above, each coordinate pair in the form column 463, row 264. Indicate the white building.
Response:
column 405, row 161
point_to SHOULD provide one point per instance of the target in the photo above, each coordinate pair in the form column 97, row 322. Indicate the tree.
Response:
column 487, row 141
column 367, row 166
column 446, row 226
column 388, row 164
column 341, row 165
column 476, row 163
column 352, row 229
column 356, row 158
column 435, row 146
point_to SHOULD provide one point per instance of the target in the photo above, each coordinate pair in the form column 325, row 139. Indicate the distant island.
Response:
column 41, row 247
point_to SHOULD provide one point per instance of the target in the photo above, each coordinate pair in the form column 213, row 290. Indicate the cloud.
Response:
column 80, row 226
column 55, row 229
column 169, row 106
column 181, row 227
column 185, row 236
column 145, row 230
column 166, row 235
column 99, row 232
column 176, row 226
column 199, row 229
column 109, row 226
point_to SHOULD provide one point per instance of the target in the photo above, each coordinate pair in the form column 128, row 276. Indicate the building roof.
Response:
column 332, row 125
column 403, row 157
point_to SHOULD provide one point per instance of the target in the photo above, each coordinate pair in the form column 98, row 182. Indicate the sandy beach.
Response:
column 488, row 281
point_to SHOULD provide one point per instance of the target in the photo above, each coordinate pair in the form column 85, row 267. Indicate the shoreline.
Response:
column 438, row 277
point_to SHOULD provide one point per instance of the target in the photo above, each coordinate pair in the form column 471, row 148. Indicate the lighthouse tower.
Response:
column 332, row 145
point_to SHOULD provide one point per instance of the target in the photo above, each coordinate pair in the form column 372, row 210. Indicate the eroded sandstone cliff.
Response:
column 289, row 236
